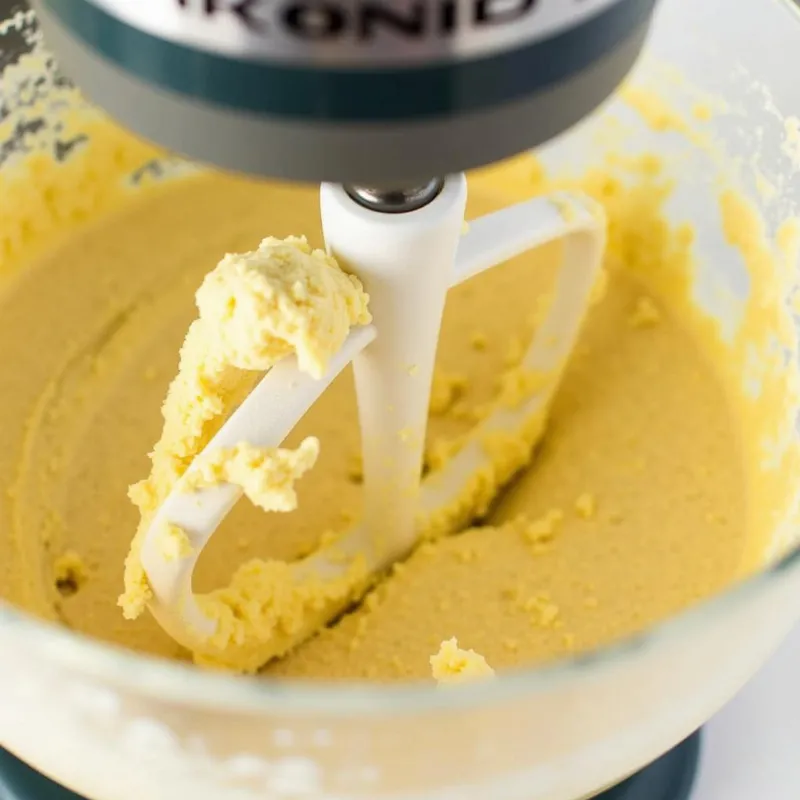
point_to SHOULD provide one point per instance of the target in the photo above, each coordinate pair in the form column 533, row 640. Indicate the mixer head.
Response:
column 372, row 92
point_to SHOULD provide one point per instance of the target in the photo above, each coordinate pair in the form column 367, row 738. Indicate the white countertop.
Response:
column 751, row 749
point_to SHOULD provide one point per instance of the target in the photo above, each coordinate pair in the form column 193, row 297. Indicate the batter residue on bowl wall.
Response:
column 647, row 492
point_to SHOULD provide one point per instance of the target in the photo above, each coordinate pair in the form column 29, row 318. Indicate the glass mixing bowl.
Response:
column 113, row 725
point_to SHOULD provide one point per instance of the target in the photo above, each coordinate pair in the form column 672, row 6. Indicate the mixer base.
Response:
column 669, row 778
column 19, row 782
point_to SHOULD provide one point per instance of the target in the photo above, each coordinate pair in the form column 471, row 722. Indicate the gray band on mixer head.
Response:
column 379, row 154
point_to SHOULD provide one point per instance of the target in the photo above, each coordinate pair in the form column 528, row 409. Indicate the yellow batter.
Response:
column 641, row 498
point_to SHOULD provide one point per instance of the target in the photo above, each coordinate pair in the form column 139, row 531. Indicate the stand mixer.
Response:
column 376, row 101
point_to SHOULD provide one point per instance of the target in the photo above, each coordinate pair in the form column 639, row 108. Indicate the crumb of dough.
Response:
column 543, row 612
column 445, row 390
column 266, row 475
column 544, row 529
column 452, row 665
column 479, row 340
column 355, row 467
column 173, row 543
column 518, row 385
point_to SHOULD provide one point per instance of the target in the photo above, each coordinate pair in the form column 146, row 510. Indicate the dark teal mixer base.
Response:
column 669, row 778
column 19, row 782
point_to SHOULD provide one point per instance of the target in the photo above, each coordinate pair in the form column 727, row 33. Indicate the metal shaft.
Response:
column 396, row 201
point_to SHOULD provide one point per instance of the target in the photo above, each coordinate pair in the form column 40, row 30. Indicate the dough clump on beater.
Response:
column 254, row 309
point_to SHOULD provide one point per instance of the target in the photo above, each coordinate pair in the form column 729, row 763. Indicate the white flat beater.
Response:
column 408, row 249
